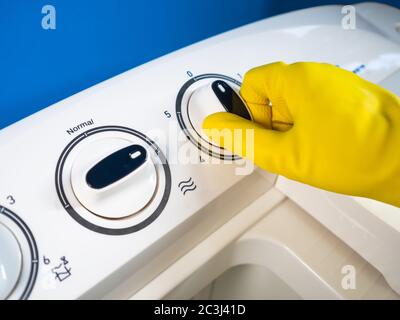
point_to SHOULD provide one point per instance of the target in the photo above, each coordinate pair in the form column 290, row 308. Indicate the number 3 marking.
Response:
column 11, row 200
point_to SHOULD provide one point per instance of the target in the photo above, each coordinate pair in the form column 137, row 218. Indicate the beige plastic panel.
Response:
column 287, row 254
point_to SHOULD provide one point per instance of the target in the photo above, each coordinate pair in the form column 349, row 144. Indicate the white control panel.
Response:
column 102, row 190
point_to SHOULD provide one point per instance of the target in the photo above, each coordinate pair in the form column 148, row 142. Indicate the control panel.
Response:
column 103, row 190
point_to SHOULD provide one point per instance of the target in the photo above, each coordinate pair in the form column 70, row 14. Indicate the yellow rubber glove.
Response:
column 320, row 125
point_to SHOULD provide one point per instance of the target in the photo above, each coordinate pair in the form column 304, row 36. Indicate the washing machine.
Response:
column 115, row 193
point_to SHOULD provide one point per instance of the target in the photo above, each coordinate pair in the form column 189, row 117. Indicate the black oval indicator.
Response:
column 116, row 166
column 230, row 99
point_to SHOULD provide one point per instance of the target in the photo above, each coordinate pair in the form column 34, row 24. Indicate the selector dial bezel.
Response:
column 90, row 220
column 184, row 122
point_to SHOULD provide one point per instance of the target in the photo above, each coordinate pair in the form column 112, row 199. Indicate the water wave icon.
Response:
column 187, row 185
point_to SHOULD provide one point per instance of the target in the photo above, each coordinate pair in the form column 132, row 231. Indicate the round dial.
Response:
column 10, row 262
column 18, row 257
column 113, row 180
column 201, row 96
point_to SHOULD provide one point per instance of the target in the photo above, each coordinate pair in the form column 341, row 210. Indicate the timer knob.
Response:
column 204, row 95
column 216, row 96
column 114, row 178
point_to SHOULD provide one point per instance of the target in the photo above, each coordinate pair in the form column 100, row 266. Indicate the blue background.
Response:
column 95, row 40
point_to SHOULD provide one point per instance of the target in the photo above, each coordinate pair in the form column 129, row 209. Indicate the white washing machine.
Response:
column 115, row 193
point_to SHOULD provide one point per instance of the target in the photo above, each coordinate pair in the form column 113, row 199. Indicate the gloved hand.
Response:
column 320, row 125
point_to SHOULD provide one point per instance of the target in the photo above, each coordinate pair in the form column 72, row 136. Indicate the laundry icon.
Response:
column 187, row 185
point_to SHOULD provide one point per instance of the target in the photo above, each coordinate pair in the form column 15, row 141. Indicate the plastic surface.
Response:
column 145, row 100
column 123, row 198
column 275, row 246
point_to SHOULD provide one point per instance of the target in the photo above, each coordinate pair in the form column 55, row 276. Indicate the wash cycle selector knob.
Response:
column 216, row 96
column 10, row 261
column 113, row 180
column 204, row 95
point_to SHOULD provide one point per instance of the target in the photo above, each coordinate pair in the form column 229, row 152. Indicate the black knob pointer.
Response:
column 230, row 99
column 116, row 166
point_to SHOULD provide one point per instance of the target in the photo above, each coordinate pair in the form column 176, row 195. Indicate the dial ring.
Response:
column 90, row 225
column 201, row 144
